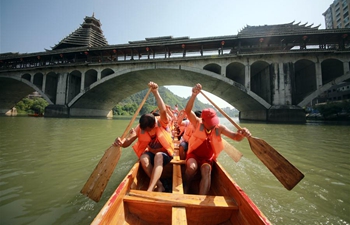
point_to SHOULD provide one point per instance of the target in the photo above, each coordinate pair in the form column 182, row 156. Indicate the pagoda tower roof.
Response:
column 89, row 34
column 273, row 30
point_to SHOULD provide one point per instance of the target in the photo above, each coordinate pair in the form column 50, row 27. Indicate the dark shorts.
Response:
column 166, row 158
column 184, row 144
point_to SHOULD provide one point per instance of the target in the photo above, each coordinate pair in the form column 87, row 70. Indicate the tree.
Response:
column 36, row 105
column 117, row 109
column 147, row 108
column 333, row 109
column 39, row 105
column 346, row 105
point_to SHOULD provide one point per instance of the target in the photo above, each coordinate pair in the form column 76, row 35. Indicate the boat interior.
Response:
column 225, row 204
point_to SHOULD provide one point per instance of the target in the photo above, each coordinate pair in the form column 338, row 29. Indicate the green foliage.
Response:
column 35, row 105
column 39, row 105
column 333, row 109
column 345, row 106
column 147, row 108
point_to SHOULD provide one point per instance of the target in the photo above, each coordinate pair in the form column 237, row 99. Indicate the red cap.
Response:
column 210, row 118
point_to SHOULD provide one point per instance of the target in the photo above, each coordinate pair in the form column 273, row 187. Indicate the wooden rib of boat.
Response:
column 226, row 203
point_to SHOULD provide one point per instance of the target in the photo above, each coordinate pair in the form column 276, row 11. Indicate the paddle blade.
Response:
column 232, row 151
column 283, row 170
column 99, row 178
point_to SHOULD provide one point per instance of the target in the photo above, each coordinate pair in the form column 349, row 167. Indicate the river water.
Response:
column 44, row 163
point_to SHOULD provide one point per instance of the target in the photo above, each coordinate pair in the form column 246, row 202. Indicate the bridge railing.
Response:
column 52, row 59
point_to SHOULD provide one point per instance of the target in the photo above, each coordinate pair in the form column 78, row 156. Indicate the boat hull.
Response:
column 226, row 202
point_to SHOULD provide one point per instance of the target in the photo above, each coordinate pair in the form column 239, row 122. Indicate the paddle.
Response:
column 99, row 178
column 232, row 151
column 283, row 170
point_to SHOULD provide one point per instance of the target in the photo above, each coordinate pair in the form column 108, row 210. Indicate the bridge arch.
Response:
column 260, row 80
column 27, row 76
column 304, row 80
column 106, row 72
column 90, row 77
column 74, row 84
column 324, row 88
column 101, row 96
column 331, row 69
column 236, row 72
column 15, row 88
column 51, row 85
column 38, row 80
column 213, row 67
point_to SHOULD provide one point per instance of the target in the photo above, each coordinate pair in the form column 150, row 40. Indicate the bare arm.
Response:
column 188, row 109
column 181, row 117
column 126, row 142
column 237, row 136
column 169, row 111
column 160, row 102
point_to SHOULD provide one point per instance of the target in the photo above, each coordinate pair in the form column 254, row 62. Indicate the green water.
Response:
column 44, row 162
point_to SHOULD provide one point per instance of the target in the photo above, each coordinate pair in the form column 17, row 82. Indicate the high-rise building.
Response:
column 337, row 15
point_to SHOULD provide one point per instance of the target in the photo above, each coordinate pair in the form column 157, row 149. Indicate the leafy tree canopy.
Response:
column 32, row 105
column 334, row 109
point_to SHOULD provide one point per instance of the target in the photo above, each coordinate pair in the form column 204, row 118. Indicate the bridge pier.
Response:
column 83, row 112
column 62, row 111
column 286, row 114
column 276, row 114
column 58, row 111
column 256, row 115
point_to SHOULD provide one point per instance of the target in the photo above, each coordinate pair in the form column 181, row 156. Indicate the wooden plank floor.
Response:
column 178, row 213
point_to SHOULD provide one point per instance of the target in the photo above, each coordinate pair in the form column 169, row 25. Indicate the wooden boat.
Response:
column 225, row 204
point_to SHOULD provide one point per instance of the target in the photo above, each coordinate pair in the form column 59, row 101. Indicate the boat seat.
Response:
column 181, row 200
column 177, row 175
column 178, row 215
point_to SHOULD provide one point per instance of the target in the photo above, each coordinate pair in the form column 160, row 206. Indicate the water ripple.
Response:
column 44, row 162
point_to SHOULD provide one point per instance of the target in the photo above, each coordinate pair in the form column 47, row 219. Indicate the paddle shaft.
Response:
column 222, row 112
column 135, row 115
column 97, row 182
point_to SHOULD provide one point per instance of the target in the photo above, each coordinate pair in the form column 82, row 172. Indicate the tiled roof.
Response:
column 271, row 30
column 89, row 34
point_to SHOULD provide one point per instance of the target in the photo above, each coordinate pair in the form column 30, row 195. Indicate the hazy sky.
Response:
column 28, row 26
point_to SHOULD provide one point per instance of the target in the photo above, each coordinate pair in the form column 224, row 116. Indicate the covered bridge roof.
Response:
column 271, row 30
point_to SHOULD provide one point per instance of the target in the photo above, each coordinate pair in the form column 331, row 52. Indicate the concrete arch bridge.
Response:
column 263, row 87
